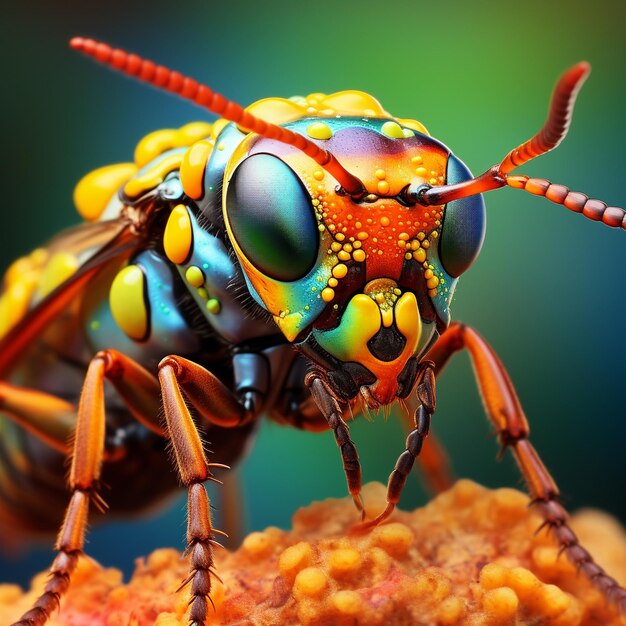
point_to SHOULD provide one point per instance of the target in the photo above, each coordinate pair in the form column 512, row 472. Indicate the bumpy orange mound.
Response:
column 470, row 557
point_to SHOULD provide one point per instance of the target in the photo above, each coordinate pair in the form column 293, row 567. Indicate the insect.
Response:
column 296, row 258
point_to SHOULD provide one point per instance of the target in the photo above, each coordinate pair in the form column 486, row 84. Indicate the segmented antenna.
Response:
column 189, row 89
column 548, row 138
column 557, row 123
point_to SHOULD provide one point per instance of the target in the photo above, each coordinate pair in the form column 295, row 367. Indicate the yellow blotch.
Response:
column 192, row 168
column 328, row 294
column 393, row 130
column 276, row 110
column 340, row 270
column 127, row 302
column 95, row 190
column 154, row 144
column 60, row 267
column 15, row 300
column 408, row 319
column 153, row 177
column 159, row 141
column 310, row 582
column 194, row 276
column 414, row 125
column 353, row 102
column 319, row 130
column 177, row 238
column 358, row 255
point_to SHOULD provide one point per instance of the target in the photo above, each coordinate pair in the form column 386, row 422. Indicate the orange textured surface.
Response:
column 471, row 556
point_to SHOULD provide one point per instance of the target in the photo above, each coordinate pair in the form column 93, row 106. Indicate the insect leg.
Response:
column 199, row 385
column 397, row 479
column 48, row 417
column 329, row 406
column 84, row 474
column 505, row 411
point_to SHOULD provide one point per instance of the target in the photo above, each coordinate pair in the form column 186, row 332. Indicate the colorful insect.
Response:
column 322, row 224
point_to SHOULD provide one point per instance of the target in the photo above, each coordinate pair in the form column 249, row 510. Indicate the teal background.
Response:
column 548, row 291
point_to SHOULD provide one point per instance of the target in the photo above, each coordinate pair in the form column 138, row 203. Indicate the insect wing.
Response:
column 92, row 247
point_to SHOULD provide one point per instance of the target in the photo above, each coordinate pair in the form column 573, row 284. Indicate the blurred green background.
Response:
column 548, row 291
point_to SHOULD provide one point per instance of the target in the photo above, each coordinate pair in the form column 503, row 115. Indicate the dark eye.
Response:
column 271, row 216
column 463, row 229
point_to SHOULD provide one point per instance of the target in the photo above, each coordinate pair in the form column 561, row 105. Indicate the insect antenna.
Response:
column 189, row 89
column 549, row 137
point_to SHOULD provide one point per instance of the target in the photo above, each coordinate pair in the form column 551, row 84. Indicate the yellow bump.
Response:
column 362, row 236
column 294, row 559
column 214, row 306
column 380, row 174
column 393, row 130
column 421, row 171
column 433, row 282
column 340, row 236
column 332, row 282
column 417, row 159
column 419, row 255
column 194, row 276
column 343, row 255
column 93, row 192
column 358, row 255
column 407, row 132
column 451, row 610
column 258, row 544
column 335, row 246
column 60, row 267
column 318, row 174
column 347, row 602
column 192, row 168
column 383, row 187
column 127, row 302
column 343, row 562
column 500, row 603
column 395, row 538
column 154, row 144
column 384, row 221
column 153, row 177
column 319, row 130
column 203, row 293
column 178, row 236
column 428, row 274
column 310, row 582
column 387, row 317
column 524, row 582
column 192, row 132
column 327, row 294
column 340, row 270
column 403, row 236
column 414, row 125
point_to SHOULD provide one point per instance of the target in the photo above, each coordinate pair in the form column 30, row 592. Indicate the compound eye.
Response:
column 272, row 218
column 463, row 229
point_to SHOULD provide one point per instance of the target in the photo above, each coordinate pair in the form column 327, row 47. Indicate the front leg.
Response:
column 505, row 411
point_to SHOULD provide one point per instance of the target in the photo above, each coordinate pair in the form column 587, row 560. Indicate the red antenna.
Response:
column 189, row 89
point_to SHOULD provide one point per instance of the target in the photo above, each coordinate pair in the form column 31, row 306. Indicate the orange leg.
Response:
column 46, row 416
column 176, row 373
column 505, row 411
column 140, row 391
column 84, row 474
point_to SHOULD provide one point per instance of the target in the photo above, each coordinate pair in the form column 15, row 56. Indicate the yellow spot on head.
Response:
column 359, row 256
column 318, row 174
column 319, row 130
column 327, row 294
column 393, row 130
column 383, row 187
column 177, row 238
column 340, row 270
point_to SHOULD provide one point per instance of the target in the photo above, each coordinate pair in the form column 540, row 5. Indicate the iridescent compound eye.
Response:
column 463, row 224
column 272, row 218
